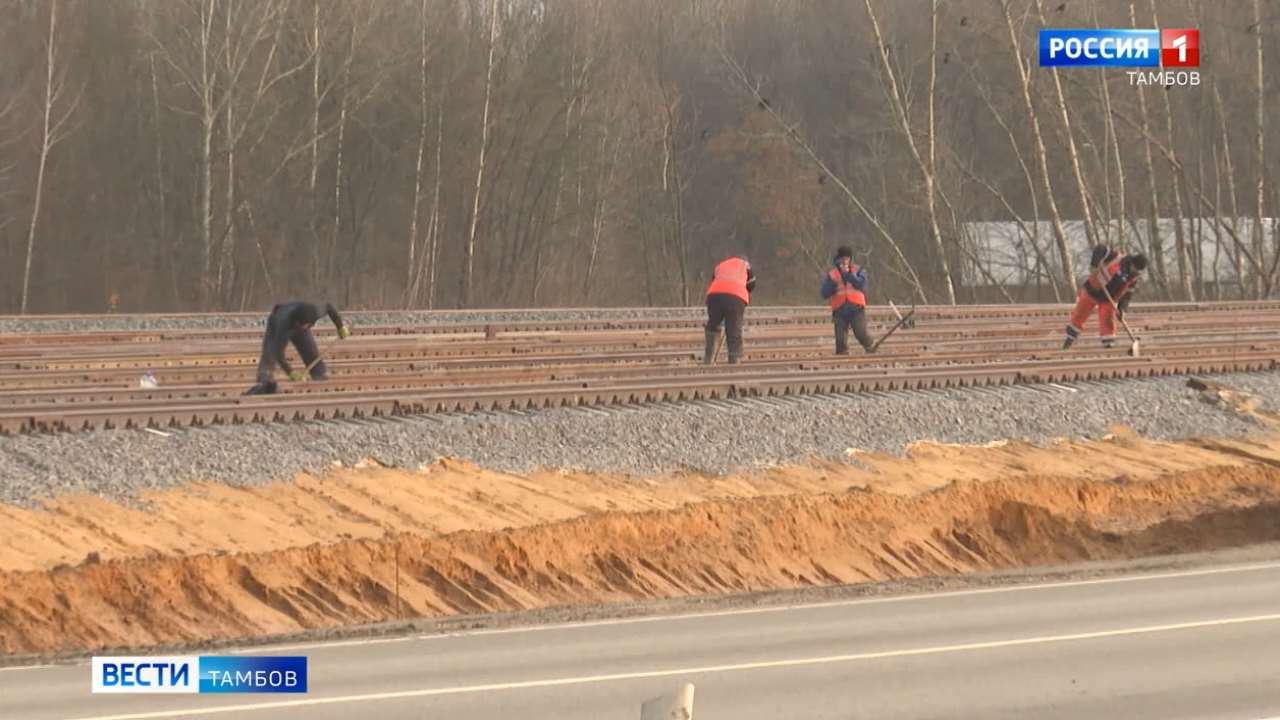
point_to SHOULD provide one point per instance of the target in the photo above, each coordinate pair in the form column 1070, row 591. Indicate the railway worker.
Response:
column 727, row 296
column 1119, row 274
column 844, row 286
column 291, row 322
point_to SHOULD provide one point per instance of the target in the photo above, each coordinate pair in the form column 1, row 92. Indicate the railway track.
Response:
column 66, row 382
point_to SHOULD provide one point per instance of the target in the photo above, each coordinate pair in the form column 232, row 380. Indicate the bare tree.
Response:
column 1072, row 153
column 469, row 270
column 411, row 286
column 433, row 230
column 1111, row 143
column 1180, row 243
column 1032, row 234
column 926, row 166
column 248, row 106
column 53, row 130
column 1263, row 285
column 794, row 136
column 1042, row 156
column 264, row 146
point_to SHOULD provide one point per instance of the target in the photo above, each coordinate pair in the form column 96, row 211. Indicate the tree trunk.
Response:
column 411, row 269
column 162, row 234
column 434, row 231
column 468, row 278
column 208, row 118
column 1228, row 167
column 600, row 207
column 1090, row 229
column 1179, row 232
column 228, row 235
column 1042, row 262
column 313, row 196
column 927, row 167
column 672, row 185
column 330, row 269
column 1064, row 249
column 1113, row 141
column 47, row 141
column 1262, row 287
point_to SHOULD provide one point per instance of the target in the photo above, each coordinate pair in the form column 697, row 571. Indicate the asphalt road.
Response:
column 1202, row 643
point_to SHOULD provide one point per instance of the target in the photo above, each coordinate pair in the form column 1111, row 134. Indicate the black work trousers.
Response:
column 728, row 310
column 850, row 319
column 303, row 341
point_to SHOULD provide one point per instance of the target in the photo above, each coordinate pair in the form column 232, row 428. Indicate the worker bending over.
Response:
column 844, row 286
column 1119, row 275
column 291, row 322
column 728, row 296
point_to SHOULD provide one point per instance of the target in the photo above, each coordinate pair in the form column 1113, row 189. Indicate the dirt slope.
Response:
column 449, row 496
column 214, row 562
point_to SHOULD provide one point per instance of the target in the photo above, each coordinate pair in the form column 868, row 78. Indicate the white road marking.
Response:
column 310, row 645
column 702, row 670
column 319, row 644
column 855, row 601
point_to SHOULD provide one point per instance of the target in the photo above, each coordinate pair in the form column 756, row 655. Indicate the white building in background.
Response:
column 1003, row 248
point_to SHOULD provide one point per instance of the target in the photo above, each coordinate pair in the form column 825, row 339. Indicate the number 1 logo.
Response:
column 1180, row 48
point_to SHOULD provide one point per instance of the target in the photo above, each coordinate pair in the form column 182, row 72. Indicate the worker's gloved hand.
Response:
column 296, row 375
column 344, row 332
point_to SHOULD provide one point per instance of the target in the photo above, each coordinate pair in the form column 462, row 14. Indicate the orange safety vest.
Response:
column 1095, row 283
column 731, row 279
column 844, row 291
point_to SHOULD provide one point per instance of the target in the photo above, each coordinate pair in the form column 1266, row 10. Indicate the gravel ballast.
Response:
column 124, row 323
column 710, row 437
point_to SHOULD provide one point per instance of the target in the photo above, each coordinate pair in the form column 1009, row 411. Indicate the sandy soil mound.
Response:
column 769, row 538
column 450, row 496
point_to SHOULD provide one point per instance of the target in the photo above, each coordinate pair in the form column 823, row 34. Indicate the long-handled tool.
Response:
column 306, row 373
column 270, row 387
column 344, row 332
column 715, row 356
column 909, row 324
column 1133, row 340
column 902, row 321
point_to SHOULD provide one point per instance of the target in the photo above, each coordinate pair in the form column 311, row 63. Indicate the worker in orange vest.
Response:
column 844, row 286
column 727, row 298
column 1120, row 275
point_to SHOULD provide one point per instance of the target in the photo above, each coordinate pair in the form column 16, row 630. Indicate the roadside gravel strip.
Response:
column 711, row 437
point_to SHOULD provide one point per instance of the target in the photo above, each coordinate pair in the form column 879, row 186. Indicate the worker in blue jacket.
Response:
column 844, row 286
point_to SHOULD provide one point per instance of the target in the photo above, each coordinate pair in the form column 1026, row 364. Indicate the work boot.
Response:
column 710, row 350
column 268, row 387
column 1108, row 343
column 733, row 359
column 1066, row 344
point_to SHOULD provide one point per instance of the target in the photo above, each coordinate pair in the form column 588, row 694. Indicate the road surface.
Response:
column 1202, row 643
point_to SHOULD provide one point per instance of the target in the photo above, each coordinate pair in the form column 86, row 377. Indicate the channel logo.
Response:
column 1120, row 48
column 1180, row 48
column 203, row 674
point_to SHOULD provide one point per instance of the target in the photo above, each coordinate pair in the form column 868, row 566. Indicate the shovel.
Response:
column 1133, row 340
column 902, row 321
